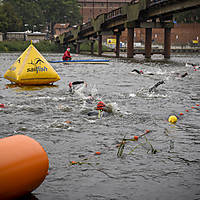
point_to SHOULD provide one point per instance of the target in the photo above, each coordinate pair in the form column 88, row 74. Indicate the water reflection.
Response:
column 44, row 112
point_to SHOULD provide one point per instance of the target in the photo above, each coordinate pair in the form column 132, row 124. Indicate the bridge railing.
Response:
column 85, row 26
column 113, row 13
column 156, row 2
column 134, row 1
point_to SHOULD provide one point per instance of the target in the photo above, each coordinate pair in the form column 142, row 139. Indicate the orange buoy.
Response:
column 135, row 137
column 23, row 166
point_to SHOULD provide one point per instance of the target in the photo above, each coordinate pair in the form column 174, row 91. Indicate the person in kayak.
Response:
column 67, row 55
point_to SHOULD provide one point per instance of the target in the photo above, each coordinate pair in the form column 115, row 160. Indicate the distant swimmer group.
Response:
column 150, row 73
column 101, row 110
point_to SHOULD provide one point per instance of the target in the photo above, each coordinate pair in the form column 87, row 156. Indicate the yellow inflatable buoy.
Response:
column 172, row 119
column 31, row 68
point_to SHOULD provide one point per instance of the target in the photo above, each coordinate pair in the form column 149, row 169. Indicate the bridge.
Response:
column 146, row 14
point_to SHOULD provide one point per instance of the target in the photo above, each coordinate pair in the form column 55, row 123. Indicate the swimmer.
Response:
column 152, row 89
column 141, row 72
column 184, row 75
column 191, row 64
column 137, row 71
column 181, row 75
column 102, row 110
column 78, row 87
column 73, row 86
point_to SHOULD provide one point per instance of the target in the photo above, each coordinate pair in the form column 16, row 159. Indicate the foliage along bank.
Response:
column 20, row 46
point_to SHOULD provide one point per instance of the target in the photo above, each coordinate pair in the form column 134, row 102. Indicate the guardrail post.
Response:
column 130, row 42
column 167, row 42
column 148, row 42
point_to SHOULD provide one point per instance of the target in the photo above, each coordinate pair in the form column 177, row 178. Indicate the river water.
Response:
column 41, row 112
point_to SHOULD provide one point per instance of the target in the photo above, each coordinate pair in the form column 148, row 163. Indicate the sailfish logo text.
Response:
column 37, row 69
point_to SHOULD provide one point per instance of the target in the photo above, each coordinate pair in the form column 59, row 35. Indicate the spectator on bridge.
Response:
column 67, row 55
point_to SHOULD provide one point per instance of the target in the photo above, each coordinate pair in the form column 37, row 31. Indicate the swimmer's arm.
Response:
column 77, row 82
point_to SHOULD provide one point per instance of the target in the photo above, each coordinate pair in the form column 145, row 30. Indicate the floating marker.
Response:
column 135, row 137
column 23, row 166
column 172, row 119
column 31, row 68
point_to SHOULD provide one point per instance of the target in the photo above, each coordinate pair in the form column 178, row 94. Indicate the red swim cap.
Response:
column 141, row 72
column 100, row 105
column 70, row 84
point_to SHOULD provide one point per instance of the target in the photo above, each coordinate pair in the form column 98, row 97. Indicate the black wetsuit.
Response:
column 156, row 85
column 137, row 71
column 71, row 89
column 184, row 75
column 77, row 82
column 141, row 72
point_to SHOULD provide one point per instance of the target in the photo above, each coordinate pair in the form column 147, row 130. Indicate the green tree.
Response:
column 34, row 13
column 60, row 11
column 29, row 12
column 9, row 20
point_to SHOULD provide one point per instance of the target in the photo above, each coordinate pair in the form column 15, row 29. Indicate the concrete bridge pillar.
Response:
column 130, row 42
column 92, row 47
column 117, row 43
column 148, row 42
column 167, row 42
column 99, row 44
column 78, row 47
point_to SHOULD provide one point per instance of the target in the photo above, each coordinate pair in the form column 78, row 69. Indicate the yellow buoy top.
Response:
column 172, row 119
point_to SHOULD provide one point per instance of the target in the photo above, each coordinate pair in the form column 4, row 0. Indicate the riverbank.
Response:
column 20, row 46
column 53, row 47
